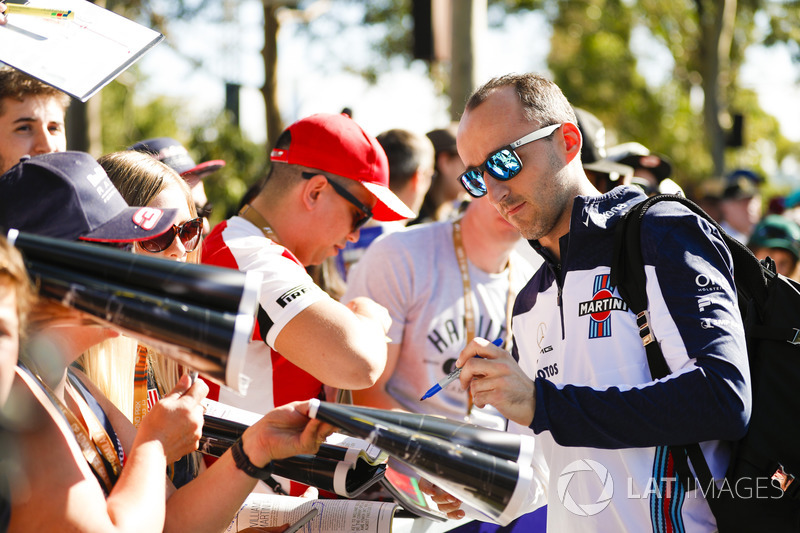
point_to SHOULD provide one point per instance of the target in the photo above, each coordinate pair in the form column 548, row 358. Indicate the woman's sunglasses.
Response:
column 189, row 233
column 502, row 164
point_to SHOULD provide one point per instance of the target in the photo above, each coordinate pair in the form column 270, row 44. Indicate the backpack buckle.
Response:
column 643, row 321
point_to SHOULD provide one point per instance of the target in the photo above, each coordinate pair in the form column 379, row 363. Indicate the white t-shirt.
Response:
column 414, row 273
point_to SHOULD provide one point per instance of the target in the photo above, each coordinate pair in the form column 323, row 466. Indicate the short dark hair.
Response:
column 542, row 100
column 407, row 152
column 18, row 85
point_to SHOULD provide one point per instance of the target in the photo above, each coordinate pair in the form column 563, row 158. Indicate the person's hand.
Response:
column 283, row 432
column 3, row 18
column 447, row 503
column 177, row 419
column 496, row 379
column 369, row 308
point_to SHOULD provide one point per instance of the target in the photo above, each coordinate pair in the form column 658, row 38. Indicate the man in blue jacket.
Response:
column 578, row 375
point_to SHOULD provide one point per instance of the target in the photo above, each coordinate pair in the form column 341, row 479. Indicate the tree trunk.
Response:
column 716, row 19
column 469, row 25
column 269, row 55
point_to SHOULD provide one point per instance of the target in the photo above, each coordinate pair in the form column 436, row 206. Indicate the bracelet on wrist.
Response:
column 244, row 464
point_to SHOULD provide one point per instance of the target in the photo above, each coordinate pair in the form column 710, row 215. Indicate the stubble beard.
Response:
column 553, row 198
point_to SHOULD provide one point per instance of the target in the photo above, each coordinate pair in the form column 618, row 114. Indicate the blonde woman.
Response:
column 134, row 376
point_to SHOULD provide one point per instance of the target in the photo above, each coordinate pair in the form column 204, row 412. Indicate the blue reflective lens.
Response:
column 473, row 182
column 503, row 164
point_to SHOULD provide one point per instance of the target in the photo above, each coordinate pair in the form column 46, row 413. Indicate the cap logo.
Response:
column 279, row 155
column 96, row 177
column 102, row 185
column 147, row 217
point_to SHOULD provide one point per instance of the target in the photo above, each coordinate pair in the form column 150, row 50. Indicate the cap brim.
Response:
column 783, row 244
column 133, row 224
column 389, row 206
column 204, row 169
column 604, row 166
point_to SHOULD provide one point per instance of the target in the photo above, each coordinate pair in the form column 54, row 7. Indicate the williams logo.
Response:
column 600, row 306
column 288, row 296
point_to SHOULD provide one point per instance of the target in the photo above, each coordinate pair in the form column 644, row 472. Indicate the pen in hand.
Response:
column 451, row 377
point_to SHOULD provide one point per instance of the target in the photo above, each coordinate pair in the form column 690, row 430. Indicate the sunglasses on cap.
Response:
column 189, row 233
column 365, row 212
column 502, row 164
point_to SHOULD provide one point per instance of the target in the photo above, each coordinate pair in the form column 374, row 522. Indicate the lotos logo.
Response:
column 147, row 217
column 577, row 468
column 600, row 306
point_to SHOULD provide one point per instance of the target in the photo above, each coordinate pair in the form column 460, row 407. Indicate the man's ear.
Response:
column 572, row 140
column 311, row 190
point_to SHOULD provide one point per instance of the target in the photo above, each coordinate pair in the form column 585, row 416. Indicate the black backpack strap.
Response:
column 628, row 275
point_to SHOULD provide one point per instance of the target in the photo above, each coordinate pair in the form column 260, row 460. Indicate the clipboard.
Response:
column 79, row 55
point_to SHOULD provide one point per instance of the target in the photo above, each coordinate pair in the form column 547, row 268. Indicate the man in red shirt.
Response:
column 327, row 179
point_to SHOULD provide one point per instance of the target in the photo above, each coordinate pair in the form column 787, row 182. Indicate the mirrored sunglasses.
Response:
column 189, row 233
column 502, row 164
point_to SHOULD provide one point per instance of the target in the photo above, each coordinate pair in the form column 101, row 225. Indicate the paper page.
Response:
column 78, row 55
column 335, row 516
column 229, row 412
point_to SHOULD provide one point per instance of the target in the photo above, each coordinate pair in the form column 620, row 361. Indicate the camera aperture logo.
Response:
column 586, row 466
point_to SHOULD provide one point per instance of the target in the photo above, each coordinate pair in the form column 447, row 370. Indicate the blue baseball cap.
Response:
column 176, row 156
column 68, row 195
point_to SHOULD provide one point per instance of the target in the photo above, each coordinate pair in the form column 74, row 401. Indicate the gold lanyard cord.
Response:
column 140, row 386
column 255, row 218
column 469, row 310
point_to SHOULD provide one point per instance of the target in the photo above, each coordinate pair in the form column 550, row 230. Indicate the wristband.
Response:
column 243, row 463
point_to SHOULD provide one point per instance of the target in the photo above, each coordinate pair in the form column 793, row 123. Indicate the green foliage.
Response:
column 246, row 163
column 125, row 123
column 591, row 60
column 394, row 17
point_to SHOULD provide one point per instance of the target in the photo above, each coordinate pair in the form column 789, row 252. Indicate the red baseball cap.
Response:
column 336, row 144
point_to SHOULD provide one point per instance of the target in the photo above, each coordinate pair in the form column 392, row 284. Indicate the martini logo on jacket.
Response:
column 600, row 306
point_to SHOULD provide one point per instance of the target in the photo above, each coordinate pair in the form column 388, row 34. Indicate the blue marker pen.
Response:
column 451, row 377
